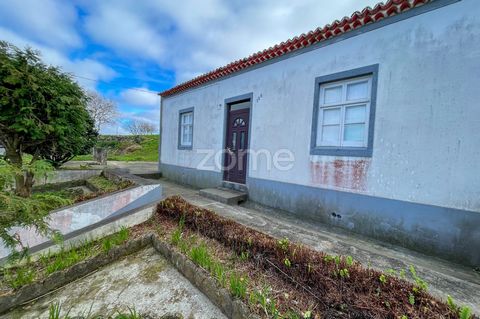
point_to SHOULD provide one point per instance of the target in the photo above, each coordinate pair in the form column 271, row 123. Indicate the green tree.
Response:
column 42, row 113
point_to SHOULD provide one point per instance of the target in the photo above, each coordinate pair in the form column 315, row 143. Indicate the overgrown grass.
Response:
column 106, row 185
column 148, row 151
column 55, row 311
column 24, row 273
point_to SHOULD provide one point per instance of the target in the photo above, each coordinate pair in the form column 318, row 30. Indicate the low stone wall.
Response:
column 67, row 175
column 232, row 308
column 63, row 277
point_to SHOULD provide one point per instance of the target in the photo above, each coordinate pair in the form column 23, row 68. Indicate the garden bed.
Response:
column 268, row 277
column 277, row 277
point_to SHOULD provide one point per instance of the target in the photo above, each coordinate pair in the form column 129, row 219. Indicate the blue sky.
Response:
column 128, row 50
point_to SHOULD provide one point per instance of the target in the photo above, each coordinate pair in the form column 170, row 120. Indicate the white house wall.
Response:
column 426, row 147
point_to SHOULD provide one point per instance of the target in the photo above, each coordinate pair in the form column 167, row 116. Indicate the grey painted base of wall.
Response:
column 191, row 176
column 447, row 233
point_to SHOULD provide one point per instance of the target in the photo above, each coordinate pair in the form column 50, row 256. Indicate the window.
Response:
column 185, row 129
column 344, row 113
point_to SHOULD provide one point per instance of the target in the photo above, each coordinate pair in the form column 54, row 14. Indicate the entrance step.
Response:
column 224, row 195
column 235, row 186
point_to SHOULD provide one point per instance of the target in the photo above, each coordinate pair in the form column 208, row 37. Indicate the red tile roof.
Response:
column 355, row 21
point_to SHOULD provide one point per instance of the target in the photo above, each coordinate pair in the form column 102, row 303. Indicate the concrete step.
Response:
column 235, row 186
column 150, row 174
column 224, row 195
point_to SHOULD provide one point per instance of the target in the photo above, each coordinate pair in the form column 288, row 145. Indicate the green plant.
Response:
column 404, row 317
column 267, row 303
column 177, row 234
column 420, row 284
column 344, row 273
column 201, row 256
column 465, row 313
column 132, row 314
column 383, row 279
column 411, row 299
column 349, row 261
column 244, row 255
column 54, row 312
column 219, row 273
column 238, row 285
column 451, row 304
column 20, row 276
column 283, row 244
column 287, row 262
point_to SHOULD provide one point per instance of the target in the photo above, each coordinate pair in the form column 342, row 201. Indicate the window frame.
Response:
column 180, row 115
column 346, row 77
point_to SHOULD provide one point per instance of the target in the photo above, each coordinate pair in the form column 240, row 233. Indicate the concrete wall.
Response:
column 426, row 146
column 66, row 175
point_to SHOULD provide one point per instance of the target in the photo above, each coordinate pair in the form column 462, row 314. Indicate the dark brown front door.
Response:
column 235, row 169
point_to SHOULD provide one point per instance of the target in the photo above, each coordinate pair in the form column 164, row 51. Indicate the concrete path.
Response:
column 444, row 278
column 144, row 281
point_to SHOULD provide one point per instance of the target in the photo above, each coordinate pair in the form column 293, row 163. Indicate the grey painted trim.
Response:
column 435, row 4
column 191, row 176
column 190, row 109
column 227, row 102
column 160, row 133
column 448, row 233
column 345, row 75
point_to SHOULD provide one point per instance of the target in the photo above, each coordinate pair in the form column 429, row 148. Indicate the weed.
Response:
column 382, row 279
column 177, row 234
column 238, row 286
column 284, row 244
column 328, row 258
column 107, row 244
column 344, row 273
column 54, row 312
column 287, row 262
column 201, row 256
column 349, row 261
column 451, row 304
column 19, row 277
column 404, row 317
column 420, row 283
column 244, row 255
column 465, row 313
column 411, row 299
column 307, row 314
column 132, row 314
column 266, row 302
column 402, row 274
column 220, row 273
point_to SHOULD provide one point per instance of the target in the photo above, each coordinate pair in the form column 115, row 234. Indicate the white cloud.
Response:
column 84, row 67
column 192, row 37
column 50, row 22
column 140, row 97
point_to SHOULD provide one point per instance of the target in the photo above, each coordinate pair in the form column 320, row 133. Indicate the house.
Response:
column 369, row 124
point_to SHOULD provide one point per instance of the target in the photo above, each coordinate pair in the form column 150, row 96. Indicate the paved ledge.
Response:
column 443, row 277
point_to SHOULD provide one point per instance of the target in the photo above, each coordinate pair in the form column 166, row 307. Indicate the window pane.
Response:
column 333, row 95
column 330, row 134
column 354, row 133
column 356, row 91
column 242, row 140
column 355, row 114
column 234, row 140
column 331, row 116
column 187, row 118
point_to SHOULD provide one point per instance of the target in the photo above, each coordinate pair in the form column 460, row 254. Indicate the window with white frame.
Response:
column 186, row 129
column 343, row 113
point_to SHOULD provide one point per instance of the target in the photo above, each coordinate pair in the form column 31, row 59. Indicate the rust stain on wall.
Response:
column 350, row 174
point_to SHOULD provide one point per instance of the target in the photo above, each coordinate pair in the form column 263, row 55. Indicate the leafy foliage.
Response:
column 42, row 112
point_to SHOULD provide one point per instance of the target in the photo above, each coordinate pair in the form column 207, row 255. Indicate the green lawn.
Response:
column 147, row 149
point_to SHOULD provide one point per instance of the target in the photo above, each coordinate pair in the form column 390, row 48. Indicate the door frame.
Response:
column 227, row 103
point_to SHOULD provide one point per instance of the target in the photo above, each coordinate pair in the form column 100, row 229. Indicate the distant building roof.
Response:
column 355, row 21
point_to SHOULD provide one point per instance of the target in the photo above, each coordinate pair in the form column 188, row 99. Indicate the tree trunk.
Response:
column 23, row 182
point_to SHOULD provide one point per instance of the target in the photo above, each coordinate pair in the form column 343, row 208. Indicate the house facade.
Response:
column 369, row 124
